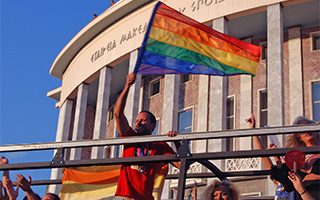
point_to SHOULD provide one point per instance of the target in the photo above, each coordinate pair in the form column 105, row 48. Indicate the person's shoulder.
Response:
column 161, row 145
column 130, row 132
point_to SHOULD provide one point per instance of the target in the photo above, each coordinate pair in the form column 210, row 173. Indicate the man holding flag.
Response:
column 174, row 44
column 136, row 181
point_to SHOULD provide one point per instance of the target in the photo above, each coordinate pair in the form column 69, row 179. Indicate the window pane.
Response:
column 264, row 51
column 110, row 114
column 316, row 101
column 316, row 42
column 116, row 147
column 230, row 123
column 229, row 144
column 155, row 88
column 315, row 92
column 230, row 107
column 156, row 129
column 263, row 118
column 185, row 78
column 108, row 153
column 185, row 121
column 316, row 112
column 263, row 100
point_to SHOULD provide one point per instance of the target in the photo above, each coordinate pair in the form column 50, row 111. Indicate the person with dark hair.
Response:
column 136, row 181
column 11, row 192
column 50, row 196
column 25, row 185
column 35, row 197
column 221, row 190
column 95, row 16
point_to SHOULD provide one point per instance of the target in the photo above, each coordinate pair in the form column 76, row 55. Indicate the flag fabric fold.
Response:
column 79, row 185
column 177, row 44
column 100, row 182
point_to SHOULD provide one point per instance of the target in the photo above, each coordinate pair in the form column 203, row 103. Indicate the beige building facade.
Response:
column 94, row 64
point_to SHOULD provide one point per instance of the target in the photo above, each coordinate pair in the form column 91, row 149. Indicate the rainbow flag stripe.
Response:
column 177, row 44
column 89, row 185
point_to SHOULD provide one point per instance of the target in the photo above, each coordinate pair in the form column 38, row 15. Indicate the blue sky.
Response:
column 32, row 35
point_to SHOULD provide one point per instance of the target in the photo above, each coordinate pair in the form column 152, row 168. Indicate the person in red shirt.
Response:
column 136, row 181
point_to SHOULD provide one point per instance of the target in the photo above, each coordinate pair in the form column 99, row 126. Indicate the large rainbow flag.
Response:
column 177, row 44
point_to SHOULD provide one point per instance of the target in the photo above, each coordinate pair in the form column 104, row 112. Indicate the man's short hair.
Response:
column 151, row 116
column 56, row 197
column 37, row 197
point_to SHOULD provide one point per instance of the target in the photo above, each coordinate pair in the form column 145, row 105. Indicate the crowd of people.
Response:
column 305, row 181
column 136, row 181
column 9, row 192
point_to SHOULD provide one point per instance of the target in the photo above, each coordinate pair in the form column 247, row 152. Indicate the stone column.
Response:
column 62, row 135
column 275, row 73
column 275, row 82
column 217, row 104
column 202, row 121
column 169, row 119
column 275, row 66
column 295, row 73
column 79, row 119
column 132, row 105
column 100, row 122
column 245, row 105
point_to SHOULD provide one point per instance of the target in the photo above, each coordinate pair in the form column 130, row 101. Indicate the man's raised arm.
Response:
column 121, row 120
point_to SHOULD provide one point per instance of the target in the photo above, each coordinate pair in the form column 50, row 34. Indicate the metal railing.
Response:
column 183, row 155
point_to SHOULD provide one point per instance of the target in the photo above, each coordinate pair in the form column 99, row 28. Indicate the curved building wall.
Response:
column 126, row 35
column 118, row 40
column 93, row 73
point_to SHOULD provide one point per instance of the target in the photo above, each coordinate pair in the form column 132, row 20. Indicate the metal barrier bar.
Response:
column 176, row 176
column 183, row 155
column 160, row 158
column 162, row 138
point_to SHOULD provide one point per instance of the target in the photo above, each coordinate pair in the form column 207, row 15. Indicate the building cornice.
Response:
column 90, row 31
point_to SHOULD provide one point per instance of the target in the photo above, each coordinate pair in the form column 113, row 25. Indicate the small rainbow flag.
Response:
column 79, row 185
column 100, row 182
column 177, row 44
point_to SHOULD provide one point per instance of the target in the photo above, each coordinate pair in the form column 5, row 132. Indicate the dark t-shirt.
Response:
column 312, row 186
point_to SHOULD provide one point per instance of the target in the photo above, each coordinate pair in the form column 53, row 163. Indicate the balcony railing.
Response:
column 183, row 155
column 243, row 164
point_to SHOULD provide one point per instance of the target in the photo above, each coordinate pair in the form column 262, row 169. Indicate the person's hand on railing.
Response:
column 12, row 193
column 172, row 133
column 3, row 160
